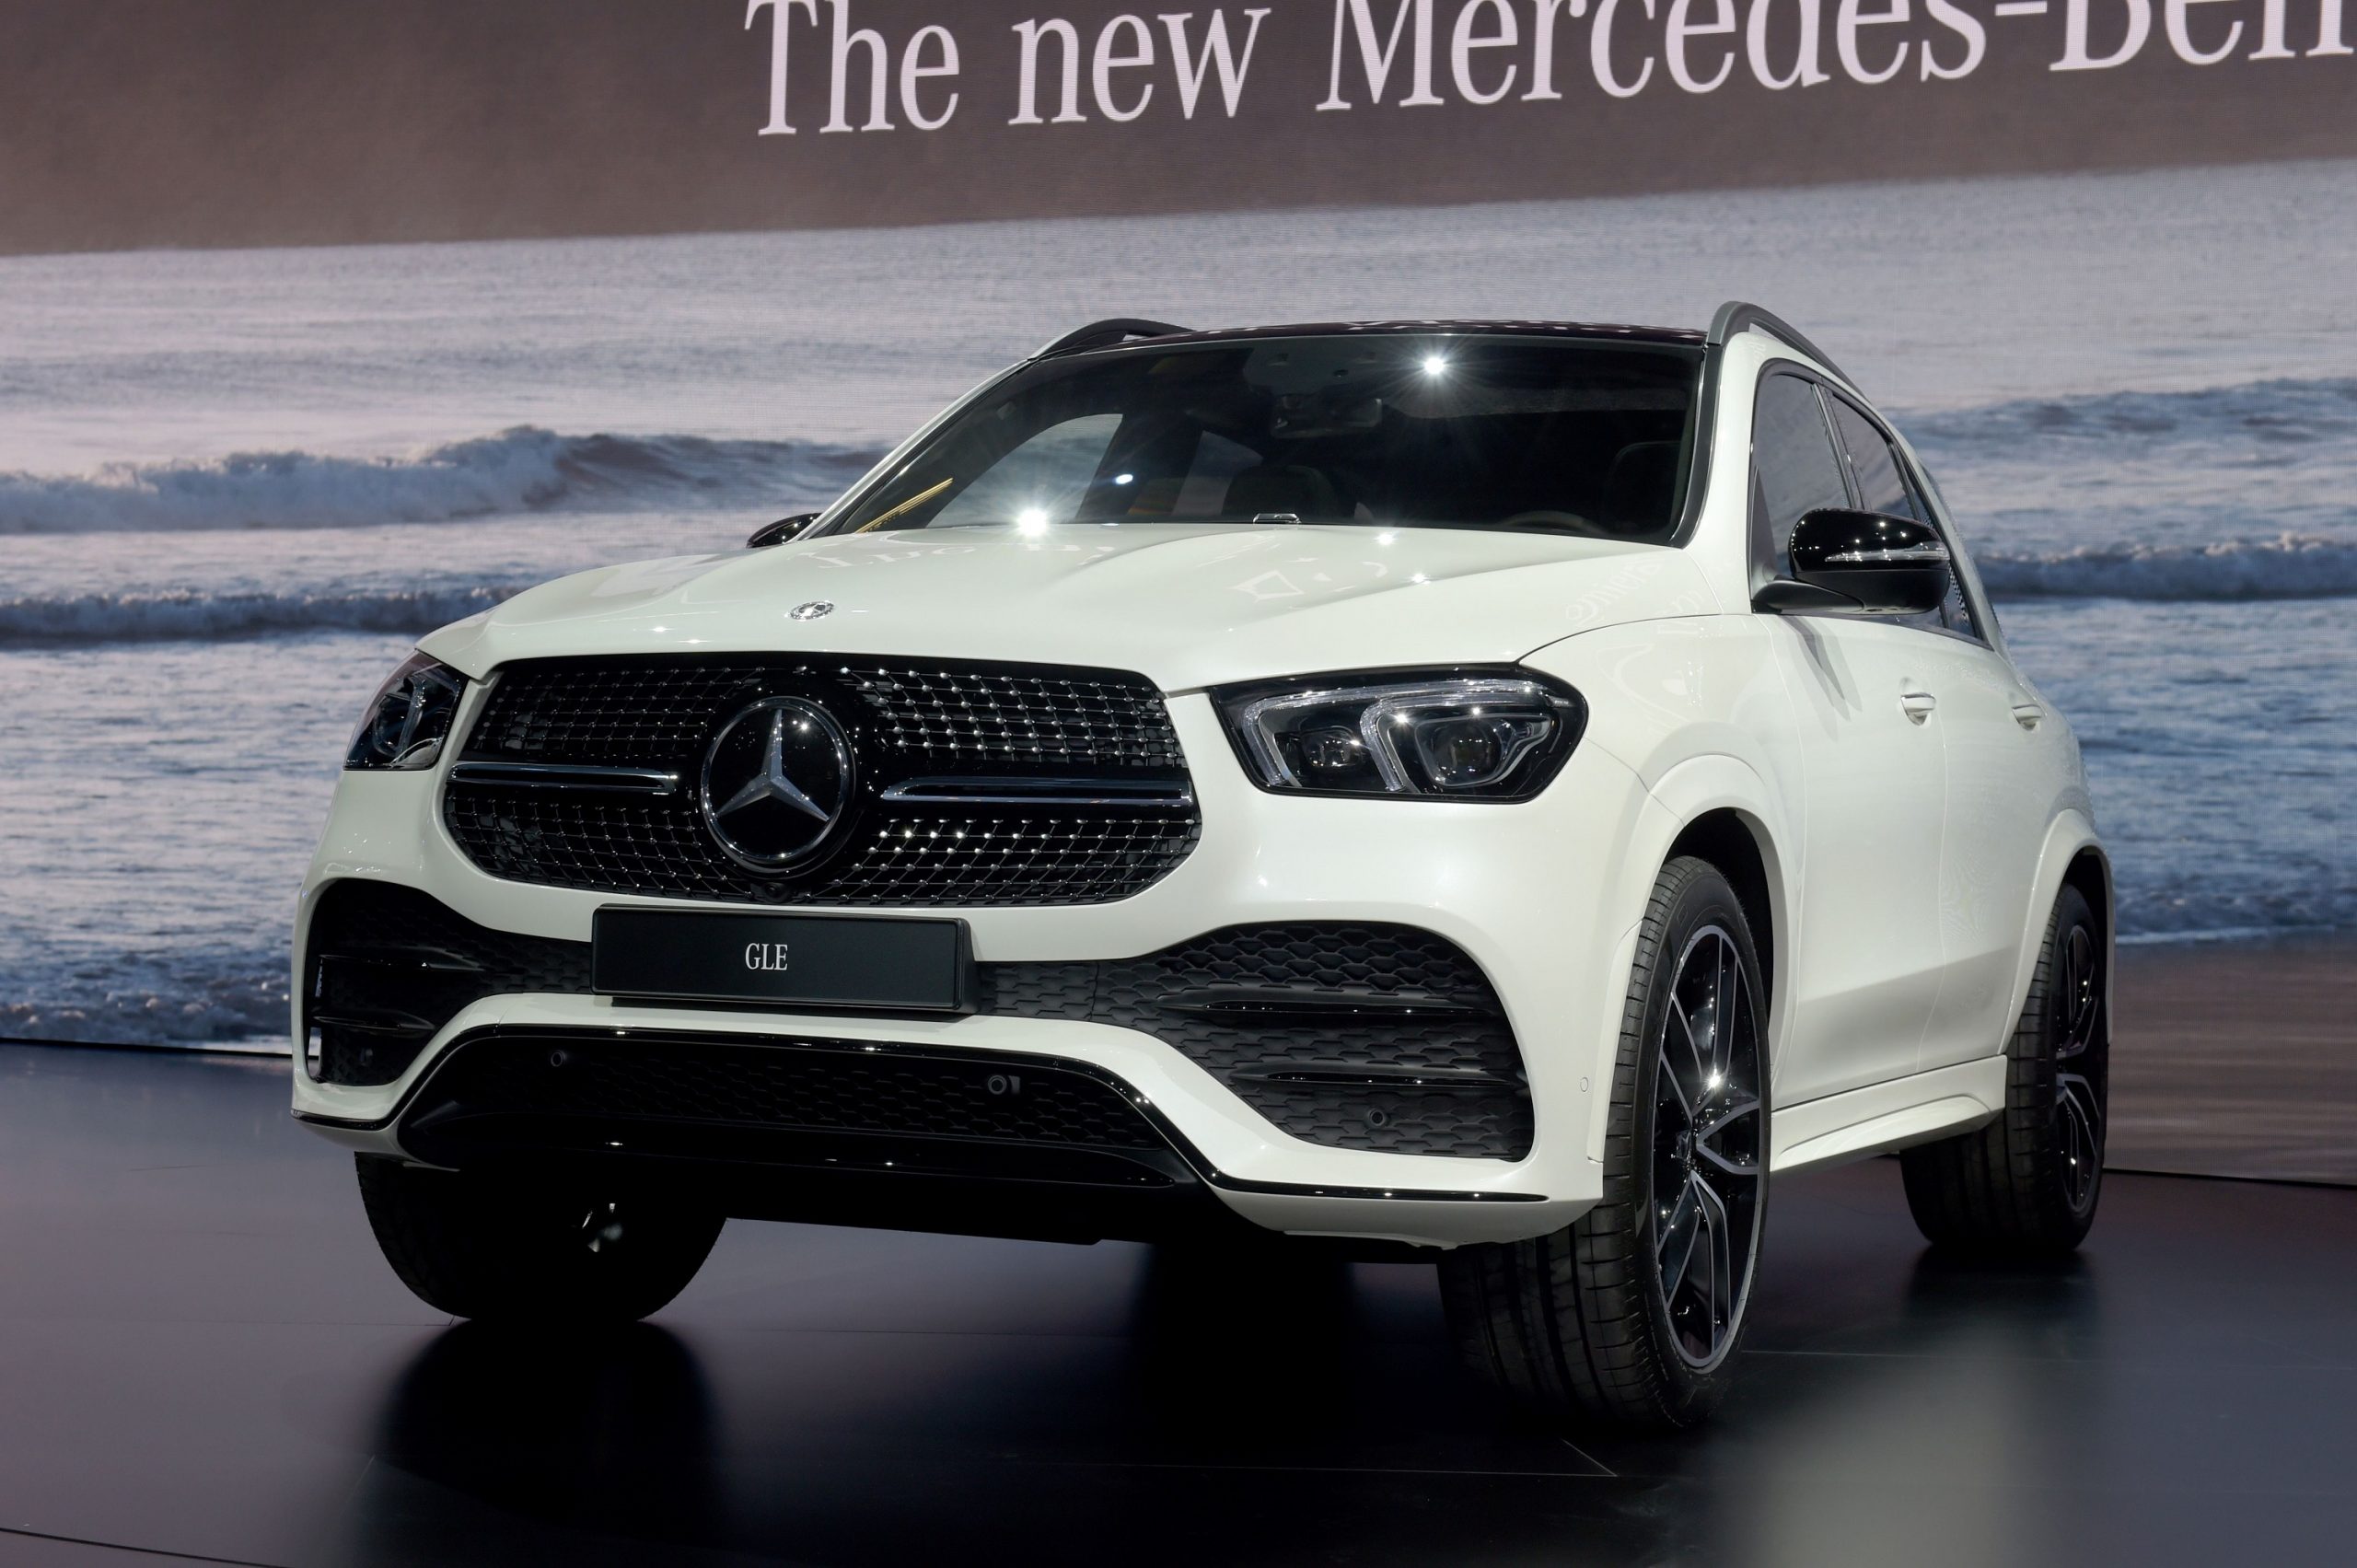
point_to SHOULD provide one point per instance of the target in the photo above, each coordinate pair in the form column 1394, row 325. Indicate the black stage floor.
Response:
column 201, row 1353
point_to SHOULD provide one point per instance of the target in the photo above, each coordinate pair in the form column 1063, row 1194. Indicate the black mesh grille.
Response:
column 389, row 966
column 968, row 721
column 1364, row 1037
column 786, row 1084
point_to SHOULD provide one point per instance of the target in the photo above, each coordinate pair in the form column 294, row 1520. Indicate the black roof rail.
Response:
column 1106, row 333
column 1738, row 316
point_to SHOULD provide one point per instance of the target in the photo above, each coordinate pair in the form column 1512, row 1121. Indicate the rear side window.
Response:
column 1883, row 487
column 1795, row 470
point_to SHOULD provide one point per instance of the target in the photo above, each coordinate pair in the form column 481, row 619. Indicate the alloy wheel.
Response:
column 2078, row 1103
column 1708, row 1157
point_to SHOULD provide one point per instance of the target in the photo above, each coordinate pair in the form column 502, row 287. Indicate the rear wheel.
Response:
column 507, row 1252
column 2027, row 1183
column 1631, row 1317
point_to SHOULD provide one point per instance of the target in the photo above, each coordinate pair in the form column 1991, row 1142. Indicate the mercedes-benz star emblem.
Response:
column 810, row 609
column 776, row 783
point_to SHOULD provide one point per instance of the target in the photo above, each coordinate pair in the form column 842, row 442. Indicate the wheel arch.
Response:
column 2072, row 857
column 1720, row 809
column 1730, row 840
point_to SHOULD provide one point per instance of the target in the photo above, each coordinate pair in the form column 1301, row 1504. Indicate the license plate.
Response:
column 797, row 960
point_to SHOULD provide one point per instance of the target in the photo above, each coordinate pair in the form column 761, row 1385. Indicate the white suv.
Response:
column 1488, row 792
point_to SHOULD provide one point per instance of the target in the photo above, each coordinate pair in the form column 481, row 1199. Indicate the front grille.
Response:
column 778, row 1085
column 1363, row 1037
column 978, row 724
column 388, row 965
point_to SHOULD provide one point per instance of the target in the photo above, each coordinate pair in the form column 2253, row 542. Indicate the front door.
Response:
column 1866, row 958
column 1865, row 955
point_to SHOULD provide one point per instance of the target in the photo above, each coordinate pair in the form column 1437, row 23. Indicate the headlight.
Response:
column 409, row 718
column 1456, row 734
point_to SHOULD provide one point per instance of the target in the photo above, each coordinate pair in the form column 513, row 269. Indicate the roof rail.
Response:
column 1106, row 333
column 1738, row 316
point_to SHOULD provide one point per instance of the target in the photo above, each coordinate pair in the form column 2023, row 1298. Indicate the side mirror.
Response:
column 1882, row 564
column 780, row 531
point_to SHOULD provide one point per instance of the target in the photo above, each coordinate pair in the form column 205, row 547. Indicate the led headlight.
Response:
column 409, row 718
column 1456, row 734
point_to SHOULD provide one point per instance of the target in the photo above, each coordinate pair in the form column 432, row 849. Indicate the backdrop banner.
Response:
column 285, row 122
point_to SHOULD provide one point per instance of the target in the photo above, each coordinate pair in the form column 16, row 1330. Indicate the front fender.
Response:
column 1693, row 707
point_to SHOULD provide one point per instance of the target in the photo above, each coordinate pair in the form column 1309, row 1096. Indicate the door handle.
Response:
column 1917, row 706
column 2029, row 715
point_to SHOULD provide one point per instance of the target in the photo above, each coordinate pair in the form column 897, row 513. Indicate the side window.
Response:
column 1883, row 487
column 1793, row 469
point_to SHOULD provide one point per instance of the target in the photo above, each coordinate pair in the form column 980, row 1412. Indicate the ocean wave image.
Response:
column 217, row 538
column 99, row 618
column 2281, row 411
column 521, row 469
column 2287, row 567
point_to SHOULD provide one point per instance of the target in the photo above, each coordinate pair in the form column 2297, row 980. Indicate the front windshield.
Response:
column 1382, row 429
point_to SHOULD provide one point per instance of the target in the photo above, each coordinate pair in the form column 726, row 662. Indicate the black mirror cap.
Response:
column 1889, row 566
column 780, row 531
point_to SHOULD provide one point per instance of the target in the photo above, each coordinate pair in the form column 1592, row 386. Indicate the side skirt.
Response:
column 1882, row 1117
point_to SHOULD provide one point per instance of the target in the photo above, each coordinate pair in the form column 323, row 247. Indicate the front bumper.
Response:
column 1544, row 896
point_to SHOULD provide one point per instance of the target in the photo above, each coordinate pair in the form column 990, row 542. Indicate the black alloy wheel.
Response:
column 1707, row 1165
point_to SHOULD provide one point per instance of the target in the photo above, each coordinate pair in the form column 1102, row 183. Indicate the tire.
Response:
column 1611, row 1322
column 508, row 1252
column 2026, row 1184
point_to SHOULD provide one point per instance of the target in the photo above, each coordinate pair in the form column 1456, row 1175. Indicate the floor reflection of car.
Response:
column 1488, row 792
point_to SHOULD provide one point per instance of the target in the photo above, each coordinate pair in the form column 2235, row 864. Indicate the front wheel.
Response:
column 514, row 1252
column 2025, row 1184
column 1630, row 1316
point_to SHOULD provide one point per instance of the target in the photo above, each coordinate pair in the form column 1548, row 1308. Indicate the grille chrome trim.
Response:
column 1173, row 796
column 567, row 776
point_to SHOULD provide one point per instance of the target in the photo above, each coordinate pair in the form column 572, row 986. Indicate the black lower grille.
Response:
column 689, row 1092
column 1386, row 1037
column 951, row 758
column 1365, row 1037
column 389, row 966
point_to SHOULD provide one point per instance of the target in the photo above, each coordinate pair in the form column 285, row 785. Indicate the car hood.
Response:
column 1187, row 606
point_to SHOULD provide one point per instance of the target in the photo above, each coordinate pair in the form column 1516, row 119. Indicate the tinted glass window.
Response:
column 1393, row 430
column 1881, row 487
column 1794, row 468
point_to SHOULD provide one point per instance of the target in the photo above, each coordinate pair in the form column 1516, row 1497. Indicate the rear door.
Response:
column 2005, row 767
column 1866, row 961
